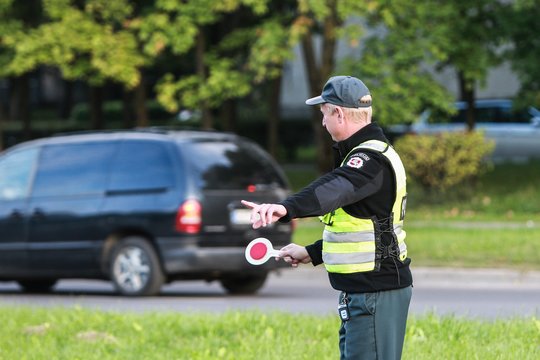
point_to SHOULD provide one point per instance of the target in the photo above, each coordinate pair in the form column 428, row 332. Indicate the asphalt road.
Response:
column 483, row 293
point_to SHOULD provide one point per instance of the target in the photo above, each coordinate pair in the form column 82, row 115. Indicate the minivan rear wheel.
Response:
column 244, row 284
column 135, row 268
column 37, row 286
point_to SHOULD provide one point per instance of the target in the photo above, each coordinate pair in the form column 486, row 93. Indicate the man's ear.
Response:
column 339, row 114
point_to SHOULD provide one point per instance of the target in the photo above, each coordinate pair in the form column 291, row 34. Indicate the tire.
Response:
column 37, row 286
column 135, row 268
column 244, row 284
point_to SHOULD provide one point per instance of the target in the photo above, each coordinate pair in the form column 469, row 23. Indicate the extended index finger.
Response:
column 249, row 204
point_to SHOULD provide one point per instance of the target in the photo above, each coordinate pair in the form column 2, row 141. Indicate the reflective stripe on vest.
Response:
column 350, row 243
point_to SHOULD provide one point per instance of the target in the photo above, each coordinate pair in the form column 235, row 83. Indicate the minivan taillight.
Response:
column 188, row 217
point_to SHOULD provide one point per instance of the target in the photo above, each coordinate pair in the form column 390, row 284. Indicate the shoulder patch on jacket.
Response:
column 357, row 160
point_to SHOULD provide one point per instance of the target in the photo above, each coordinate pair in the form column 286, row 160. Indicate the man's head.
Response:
column 344, row 91
column 346, row 106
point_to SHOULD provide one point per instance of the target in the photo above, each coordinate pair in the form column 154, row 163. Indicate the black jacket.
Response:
column 364, row 187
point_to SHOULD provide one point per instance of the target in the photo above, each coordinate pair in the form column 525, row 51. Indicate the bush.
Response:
column 442, row 161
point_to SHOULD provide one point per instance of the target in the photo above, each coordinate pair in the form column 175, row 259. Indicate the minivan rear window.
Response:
column 227, row 165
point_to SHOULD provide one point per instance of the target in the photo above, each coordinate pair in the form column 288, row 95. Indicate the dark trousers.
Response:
column 376, row 327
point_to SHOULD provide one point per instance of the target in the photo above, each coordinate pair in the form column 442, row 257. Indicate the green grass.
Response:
column 506, row 191
column 83, row 334
column 434, row 337
column 470, row 246
column 451, row 243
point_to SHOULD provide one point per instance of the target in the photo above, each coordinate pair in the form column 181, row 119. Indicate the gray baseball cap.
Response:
column 343, row 91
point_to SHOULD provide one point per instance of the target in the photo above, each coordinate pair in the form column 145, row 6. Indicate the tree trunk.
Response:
column 96, row 107
column 19, row 106
column 19, row 103
column 317, row 76
column 228, row 115
column 274, row 115
column 127, row 108
column 66, row 102
column 206, row 113
column 467, row 95
column 141, row 111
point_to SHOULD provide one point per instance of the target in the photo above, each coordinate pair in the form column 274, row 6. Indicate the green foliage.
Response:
column 271, row 48
column 442, row 161
column 472, row 38
column 248, row 41
column 521, row 24
column 393, row 59
column 157, row 31
column 234, row 61
column 223, row 82
column 89, row 44
column 9, row 23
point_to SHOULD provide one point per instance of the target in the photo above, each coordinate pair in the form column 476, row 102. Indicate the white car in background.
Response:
column 516, row 132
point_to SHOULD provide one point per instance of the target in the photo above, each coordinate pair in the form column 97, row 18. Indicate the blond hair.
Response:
column 356, row 115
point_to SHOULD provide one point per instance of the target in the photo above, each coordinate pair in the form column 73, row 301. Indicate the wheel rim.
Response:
column 131, row 269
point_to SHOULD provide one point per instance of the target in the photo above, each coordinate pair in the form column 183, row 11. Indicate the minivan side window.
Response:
column 141, row 165
column 16, row 171
column 73, row 169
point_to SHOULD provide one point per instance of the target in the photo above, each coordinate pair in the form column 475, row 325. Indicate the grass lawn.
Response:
column 82, row 334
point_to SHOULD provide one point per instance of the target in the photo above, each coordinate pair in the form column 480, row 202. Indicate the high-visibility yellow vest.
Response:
column 352, row 244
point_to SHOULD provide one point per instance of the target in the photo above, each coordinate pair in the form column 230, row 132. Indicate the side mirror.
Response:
column 536, row 121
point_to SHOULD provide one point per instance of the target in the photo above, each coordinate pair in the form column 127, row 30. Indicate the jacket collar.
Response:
column 371, row 131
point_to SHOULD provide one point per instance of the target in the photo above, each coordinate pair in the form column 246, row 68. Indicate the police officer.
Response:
column 362, row 204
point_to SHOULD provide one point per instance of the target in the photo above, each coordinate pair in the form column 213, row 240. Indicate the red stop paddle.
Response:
column 259, row 251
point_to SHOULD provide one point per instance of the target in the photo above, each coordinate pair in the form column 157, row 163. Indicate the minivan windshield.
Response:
column 220, row 164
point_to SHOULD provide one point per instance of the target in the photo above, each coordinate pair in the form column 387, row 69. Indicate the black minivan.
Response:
column 140, row 208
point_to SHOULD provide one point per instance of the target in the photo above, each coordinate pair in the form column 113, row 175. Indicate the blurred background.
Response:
column 456, row 86
column 248, row 65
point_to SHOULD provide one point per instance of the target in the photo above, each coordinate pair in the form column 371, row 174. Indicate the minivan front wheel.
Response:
column 244, row 284
column 135, row 268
